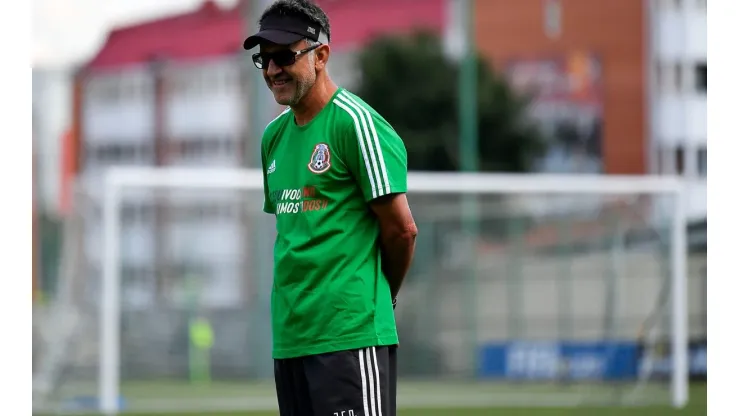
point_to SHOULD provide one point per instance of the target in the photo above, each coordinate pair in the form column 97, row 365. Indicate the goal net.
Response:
column 525, row 290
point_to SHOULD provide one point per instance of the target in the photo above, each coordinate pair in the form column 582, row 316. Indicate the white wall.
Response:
column 52, row 109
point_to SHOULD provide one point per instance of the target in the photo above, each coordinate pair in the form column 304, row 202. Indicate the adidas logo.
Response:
column 271, row 168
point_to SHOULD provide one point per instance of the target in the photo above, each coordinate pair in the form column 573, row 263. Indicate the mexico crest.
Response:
column 320, row 159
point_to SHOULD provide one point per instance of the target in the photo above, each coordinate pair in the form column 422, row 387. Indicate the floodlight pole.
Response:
column 468, row 84
column 463, row 49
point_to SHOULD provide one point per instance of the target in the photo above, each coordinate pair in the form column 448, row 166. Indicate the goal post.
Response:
column 420, row 184
column 116, row 180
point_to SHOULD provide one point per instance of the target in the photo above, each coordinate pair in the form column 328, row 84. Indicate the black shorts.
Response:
column 345, row 383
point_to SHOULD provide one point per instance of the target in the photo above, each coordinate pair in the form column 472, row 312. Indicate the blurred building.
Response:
column 172, row 92
column 620, row 84
column 621, row 89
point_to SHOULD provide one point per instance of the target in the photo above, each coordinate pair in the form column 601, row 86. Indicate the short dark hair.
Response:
column 299, row 8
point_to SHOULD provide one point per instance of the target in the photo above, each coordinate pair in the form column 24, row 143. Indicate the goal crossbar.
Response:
column 118, row 179
column 418, row 182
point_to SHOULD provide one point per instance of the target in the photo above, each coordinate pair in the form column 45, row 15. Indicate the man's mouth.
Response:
column 280, row 82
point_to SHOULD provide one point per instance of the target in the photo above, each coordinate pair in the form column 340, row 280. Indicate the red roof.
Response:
column 211, row 31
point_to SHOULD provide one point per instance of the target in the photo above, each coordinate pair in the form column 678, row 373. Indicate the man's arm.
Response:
column 397, row 237
column 376, row 157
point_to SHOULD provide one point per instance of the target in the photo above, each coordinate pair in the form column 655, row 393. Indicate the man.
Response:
column 335, row 177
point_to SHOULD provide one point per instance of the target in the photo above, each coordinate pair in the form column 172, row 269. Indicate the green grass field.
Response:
column 505, row 412
column 452, row 402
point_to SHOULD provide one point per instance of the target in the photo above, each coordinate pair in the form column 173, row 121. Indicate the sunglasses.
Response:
column 281, row 58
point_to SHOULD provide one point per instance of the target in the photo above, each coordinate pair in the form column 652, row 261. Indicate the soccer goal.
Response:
column 544, row 290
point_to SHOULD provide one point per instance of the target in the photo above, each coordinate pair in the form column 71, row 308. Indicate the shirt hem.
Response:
column 334, row 346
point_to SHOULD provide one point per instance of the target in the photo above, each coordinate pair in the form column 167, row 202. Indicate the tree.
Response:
column 411, row 82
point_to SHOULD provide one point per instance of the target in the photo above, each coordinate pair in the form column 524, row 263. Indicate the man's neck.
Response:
column 314, row 101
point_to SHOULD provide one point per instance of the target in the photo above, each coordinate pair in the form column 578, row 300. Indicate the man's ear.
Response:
column 322, row 56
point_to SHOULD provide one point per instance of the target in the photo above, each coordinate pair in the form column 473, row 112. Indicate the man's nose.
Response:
column 273, row 69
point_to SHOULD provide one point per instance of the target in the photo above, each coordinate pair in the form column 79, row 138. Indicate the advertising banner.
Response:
column 606, row 360
column 567, row 103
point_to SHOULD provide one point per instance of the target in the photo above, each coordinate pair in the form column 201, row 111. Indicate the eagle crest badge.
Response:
column 320, row 159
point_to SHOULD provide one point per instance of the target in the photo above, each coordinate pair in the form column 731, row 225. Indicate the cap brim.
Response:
column 278, row 37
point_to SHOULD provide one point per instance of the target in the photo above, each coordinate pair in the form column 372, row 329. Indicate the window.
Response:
column 176, row 84
column 666, row 159
column 669, row 76
column 657, row 75
column 200, row 211
column 701, row 162
column 657, row 160
column 146, row 154
column 679, row 160
column 201, row 81
column 678, row 76
column 187, row 84
column 116, row 153
column 206, row 80
column 700, row 77
column 131, row 213
column 662, row 4
column 229, row 146
column 109, row 90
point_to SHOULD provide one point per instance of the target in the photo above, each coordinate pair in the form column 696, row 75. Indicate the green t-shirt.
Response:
column 329, row 292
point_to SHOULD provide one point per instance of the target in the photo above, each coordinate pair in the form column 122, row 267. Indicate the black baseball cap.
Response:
column 284, row 30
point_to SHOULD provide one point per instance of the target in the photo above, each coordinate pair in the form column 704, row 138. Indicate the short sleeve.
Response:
column 268, row 205
column 376, row 156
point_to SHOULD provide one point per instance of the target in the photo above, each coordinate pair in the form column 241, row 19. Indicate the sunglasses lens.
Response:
column 284, row 58
column 257, row 59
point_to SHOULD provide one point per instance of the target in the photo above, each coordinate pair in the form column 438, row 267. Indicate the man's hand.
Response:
column 397, row 237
